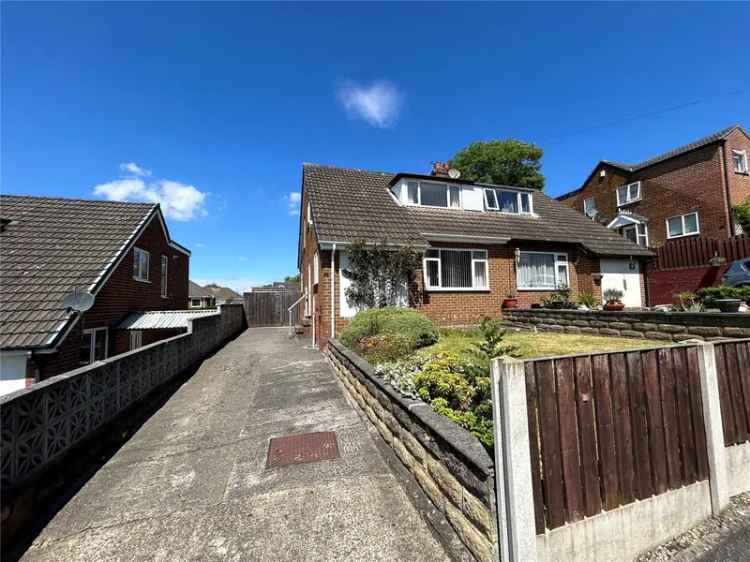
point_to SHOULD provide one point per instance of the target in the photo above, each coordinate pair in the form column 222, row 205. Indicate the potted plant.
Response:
column 510, row 300
column 559, row 300
column 612, row 299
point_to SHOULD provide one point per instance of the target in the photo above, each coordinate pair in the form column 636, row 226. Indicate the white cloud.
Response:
column 379, row 103
column 133, row 168
column 178, row 201
column 293, row 200
column 200, row 245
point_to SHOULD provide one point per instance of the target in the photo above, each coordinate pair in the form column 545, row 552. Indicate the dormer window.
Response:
column 506, row 201
column 629, row 193
column 433, row 194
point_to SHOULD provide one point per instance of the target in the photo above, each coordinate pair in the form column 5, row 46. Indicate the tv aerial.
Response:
column 79, row 301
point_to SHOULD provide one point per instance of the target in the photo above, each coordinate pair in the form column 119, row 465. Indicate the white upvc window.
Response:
column 309, row 214
column 739, row 158
column 94, row 344
column 508, row 201
column 453, row 269
column 589, row 207
column 316, row 268
column 195, row 303
column 136, row 339
column 542, row 271
column 637, row 233
column 628, row 193
column 683, row 225
column 164, row 276
column 432, row 194
column 141, row 259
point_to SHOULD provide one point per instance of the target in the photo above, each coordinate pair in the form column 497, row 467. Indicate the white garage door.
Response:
column 624, row 276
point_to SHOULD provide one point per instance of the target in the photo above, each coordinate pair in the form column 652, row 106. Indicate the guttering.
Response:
column 437, row 237
column 333, row 291
column 330, row 244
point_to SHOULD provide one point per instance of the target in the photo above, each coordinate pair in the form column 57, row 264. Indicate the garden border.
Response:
column 448, row 463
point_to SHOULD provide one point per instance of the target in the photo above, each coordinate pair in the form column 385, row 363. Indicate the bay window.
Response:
column 507, row 201
column 542, row 271
column 452, row 269
column 684, row 225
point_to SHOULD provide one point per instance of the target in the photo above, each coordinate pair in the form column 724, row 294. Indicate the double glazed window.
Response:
column 93, row 346
column 739, row 158
column 507, row 201
column 684, row 225
column 637, row 233
column 136, row 339
column 589, row 207
column 164, row 276
column 140, row 264
column 542, row 271
column 628, row 193
column 456, row 269
column 433, row 194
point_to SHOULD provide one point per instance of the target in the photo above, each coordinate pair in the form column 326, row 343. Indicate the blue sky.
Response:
column 211, row 108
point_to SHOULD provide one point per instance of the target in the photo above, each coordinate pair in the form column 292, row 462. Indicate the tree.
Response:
column 291, row 279
column 379, row 273
column 742, row 214
column 502, row 162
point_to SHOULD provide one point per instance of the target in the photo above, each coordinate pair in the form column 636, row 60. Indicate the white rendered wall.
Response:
column 738, row 468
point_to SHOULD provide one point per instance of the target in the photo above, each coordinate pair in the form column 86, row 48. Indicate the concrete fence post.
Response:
column 515, row 499
column 717, row 463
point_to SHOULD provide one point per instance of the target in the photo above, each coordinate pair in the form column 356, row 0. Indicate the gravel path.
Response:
column 725, row 538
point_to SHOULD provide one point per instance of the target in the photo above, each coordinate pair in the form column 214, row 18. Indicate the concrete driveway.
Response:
column 192, row 483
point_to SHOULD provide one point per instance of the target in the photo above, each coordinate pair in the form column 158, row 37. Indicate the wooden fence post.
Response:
column 515, row 497
column 717, row 456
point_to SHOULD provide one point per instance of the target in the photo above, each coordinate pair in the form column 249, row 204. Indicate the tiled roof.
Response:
column 50, row 247
column 349, row 204
column 161, row 319
column 222, row 292
column 196, row 291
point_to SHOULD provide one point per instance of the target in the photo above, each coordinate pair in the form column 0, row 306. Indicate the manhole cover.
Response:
column 307, row 447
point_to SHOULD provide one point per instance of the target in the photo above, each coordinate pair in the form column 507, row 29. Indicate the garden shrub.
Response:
column 709, row 295
column 383, row 347
column 442, row 376
column 416, row 328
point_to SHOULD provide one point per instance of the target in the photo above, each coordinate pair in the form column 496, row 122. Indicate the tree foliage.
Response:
column 503, row 162
column 292, row 278
column 380, row 275
column 742, row 213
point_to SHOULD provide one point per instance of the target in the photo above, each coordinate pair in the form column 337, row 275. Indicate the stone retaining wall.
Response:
column 667, row 326
column 450, row 465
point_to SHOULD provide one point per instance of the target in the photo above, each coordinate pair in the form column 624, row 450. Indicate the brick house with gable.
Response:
column 687, row 191
column 121, row 253
column 479, row 242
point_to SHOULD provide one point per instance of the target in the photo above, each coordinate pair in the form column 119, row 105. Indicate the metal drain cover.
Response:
column 297, row 449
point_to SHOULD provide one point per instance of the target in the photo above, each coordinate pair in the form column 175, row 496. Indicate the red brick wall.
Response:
column 739, row 184
column 691, row 182
column 121, row 295
column 664, row 285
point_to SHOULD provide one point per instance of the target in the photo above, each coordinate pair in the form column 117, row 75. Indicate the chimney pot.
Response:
column 440, row 169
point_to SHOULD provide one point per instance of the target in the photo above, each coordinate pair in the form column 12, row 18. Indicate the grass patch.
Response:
column 531, row 345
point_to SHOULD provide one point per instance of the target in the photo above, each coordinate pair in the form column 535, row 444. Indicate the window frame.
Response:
column 682, row 222
column 137, row 252
column 192, row 301
column 316, row 268
column 557, row 262
column 587, row 212
column 136, row 339
column 743, row 155
column 638, row 235
column 519, row 201
column 164, row 276
column 92, row 344
column 472, row 259
column 629, row 200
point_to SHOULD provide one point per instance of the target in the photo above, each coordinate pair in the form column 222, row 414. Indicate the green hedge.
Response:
column 415, row 328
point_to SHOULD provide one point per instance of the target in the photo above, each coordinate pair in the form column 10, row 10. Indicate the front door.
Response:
column 625, row 276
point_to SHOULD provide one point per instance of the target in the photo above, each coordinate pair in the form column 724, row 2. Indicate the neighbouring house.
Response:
column 120, row 253
column 200, row 297
column 480, row 243
column 687, row 191
column 275, row 287
column 223, row 295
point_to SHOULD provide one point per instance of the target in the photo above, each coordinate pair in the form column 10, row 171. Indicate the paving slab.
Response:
column 192, row 483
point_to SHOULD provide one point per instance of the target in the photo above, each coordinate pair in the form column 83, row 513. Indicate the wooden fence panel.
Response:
column 613, row 428
column 697, row 252
column 269, row 308
column 733, row 371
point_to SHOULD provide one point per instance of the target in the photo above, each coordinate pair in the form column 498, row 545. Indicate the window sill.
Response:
column 683, row 235
column 546, row 289
column 141, row 280
column 742, row 173
column 457, row 290
column 620, row 205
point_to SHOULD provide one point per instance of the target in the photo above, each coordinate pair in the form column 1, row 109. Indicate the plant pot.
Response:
column 614, row 305
column 510, row 303
column 728, row 305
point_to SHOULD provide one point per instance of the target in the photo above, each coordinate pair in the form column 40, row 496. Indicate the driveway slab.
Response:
column 192, row 483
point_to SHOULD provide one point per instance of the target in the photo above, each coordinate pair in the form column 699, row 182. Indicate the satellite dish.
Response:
column 80, row 301
column 455, row 174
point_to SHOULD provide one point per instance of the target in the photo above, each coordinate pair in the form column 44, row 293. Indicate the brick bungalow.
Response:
column 121, row 253
column 480, row 242
column 687, row 191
